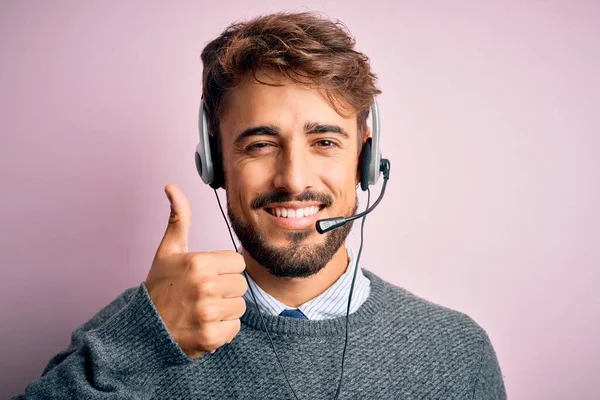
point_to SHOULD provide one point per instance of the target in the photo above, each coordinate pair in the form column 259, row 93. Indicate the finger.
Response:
column 220, row 262
column 233, row 309
column 176, row 235
column 216, row 334
column 230, row 329
column 232, row 285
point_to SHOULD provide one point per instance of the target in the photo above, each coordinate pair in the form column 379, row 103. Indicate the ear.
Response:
column 366, row 137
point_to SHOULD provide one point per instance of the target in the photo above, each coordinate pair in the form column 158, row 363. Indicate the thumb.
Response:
column 175, row 239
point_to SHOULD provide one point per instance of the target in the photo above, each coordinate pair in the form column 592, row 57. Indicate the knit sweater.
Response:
column 400, row 347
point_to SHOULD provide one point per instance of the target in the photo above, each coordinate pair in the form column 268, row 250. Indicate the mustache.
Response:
column 264, row 200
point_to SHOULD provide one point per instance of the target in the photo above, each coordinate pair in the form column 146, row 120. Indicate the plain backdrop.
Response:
column 489, row 116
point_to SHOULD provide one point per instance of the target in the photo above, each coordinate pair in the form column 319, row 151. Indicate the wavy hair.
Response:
column 303, row 47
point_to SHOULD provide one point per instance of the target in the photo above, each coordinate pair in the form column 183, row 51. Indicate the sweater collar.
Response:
column 372, row 306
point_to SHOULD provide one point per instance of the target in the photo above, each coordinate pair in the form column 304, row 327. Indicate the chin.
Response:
column 289, row 247
column 284, row 238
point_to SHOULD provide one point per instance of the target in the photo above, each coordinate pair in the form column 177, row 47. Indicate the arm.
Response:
column 112, row 356
column 488, row 382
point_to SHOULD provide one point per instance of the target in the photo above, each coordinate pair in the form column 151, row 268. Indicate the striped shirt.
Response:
column 332, row 303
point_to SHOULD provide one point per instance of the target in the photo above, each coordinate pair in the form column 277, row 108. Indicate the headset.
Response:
column 209, row 165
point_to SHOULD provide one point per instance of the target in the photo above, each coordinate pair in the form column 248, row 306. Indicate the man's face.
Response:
column 289, row 159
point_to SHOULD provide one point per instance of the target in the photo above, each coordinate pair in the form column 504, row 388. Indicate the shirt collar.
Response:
column 331, row 303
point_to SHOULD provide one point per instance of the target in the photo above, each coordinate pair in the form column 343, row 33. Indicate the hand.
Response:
column 198, row 295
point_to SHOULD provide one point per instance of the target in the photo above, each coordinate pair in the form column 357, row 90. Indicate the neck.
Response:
column 294, row 292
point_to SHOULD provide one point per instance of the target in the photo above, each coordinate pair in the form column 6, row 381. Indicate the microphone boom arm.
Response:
column 328, row 224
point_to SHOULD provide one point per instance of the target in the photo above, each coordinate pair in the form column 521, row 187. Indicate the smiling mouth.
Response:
column 284, row 212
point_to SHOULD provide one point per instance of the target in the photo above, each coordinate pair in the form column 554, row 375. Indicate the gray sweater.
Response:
column 400, row 347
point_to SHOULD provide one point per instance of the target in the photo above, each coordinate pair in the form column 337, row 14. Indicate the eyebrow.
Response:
column 272, row 130
column 315, row 127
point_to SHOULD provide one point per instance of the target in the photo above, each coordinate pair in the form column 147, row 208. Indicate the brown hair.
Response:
column 303, row 47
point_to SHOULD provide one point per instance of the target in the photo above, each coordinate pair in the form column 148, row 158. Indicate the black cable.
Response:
column 368, row 210
column 226, row 222
column 255, row 302
column 362, row 231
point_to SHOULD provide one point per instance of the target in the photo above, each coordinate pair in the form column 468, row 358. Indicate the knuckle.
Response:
column 209, row 339
column 207, row 288
column 204, row 338
column 192, row 262
column 207, row 313
column 196, row 264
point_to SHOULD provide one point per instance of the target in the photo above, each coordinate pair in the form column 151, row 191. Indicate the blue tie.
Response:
column 295, row 313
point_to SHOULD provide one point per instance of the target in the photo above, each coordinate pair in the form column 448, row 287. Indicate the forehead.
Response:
column 289, row 106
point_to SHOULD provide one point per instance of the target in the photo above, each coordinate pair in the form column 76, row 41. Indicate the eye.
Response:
column 258, row 147
column 326, row 143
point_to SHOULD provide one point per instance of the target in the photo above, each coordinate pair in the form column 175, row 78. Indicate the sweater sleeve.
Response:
column 115, row 355
column 489, row 384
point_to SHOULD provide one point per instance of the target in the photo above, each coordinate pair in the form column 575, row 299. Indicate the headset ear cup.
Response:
column 218, row 175
column 198, row 164
column 365, row 165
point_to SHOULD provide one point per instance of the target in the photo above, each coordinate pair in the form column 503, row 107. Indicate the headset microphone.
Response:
column 329, row 224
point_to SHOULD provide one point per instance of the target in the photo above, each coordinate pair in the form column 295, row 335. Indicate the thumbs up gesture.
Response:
column 197, row 295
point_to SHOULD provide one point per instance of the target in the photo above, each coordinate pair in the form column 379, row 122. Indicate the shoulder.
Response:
column 421, row 319
column 449, row 344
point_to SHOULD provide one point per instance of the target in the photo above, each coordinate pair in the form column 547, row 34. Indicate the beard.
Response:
column 298, row 259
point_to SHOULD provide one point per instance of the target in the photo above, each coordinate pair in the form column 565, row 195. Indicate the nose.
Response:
column 295, row 173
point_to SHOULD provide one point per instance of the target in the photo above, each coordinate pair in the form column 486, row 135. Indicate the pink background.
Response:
column 489, row 115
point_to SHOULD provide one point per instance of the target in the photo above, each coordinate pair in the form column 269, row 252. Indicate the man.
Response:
column 287, row 98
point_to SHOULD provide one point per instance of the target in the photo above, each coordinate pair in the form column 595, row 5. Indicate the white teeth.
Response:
column 295, row 213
